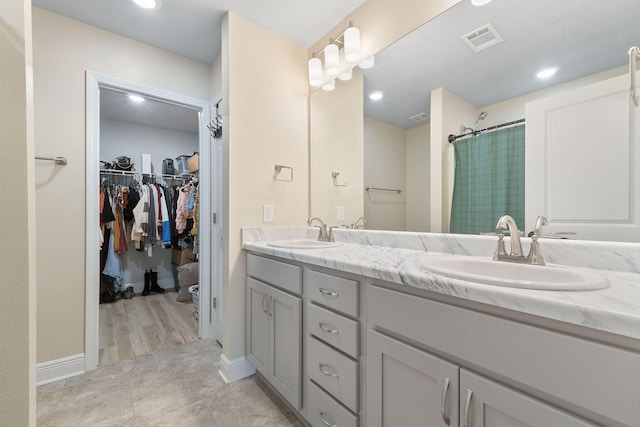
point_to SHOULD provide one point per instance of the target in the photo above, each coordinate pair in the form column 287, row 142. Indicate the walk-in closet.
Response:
column 149, row 199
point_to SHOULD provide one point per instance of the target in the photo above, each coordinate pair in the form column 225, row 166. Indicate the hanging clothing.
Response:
column 113, row 265
column 182, row 215
column 141, row 220
column 164, row 226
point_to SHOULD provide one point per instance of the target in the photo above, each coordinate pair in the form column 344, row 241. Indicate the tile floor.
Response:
column 175, row 387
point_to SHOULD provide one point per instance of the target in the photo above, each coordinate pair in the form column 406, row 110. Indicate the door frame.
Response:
column 95, row 81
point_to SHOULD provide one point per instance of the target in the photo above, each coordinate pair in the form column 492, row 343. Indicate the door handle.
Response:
column 327, row 293
column 325, row 422
column 327, row 373
column 327, row 329
column 467, row 403
column 443, row 405
column 264, row 309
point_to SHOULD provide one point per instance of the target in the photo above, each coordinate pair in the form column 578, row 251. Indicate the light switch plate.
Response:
column 340, row 213
column 267, row 213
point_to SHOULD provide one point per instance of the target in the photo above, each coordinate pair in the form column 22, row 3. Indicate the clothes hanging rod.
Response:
column 452, row 137
column 59, row 160
column 395, row 190
column 117, row 172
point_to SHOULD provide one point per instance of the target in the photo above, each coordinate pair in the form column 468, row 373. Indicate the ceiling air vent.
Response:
column 482, row 38
column 420, row 117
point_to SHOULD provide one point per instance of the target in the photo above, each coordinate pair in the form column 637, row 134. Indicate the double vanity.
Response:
column 401, row 329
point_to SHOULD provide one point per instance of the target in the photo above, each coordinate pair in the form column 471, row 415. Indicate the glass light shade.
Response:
column 352, row 44
column 329, row 86
column 347, row 75
column 332, row 59
column 368, row 63
column 147, row 4
column 315, row 72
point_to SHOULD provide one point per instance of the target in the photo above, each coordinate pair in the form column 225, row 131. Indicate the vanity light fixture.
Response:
column 480, row 2
column 347, row 75
column 136, row 98
column 334, row 66
column 368, row 63
column 329, row 86
column 376, row 96
column 147, row 4
column 546, row 73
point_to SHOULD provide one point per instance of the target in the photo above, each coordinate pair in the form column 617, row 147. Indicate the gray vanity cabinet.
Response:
column 409, row 387
column 274, row 319
column 486, row 403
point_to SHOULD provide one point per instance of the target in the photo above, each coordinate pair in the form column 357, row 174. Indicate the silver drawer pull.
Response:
column 327, row 293
column 327, row 329
column 327, row 373
column 467, row 403
column 443, row 406
column 325, row 422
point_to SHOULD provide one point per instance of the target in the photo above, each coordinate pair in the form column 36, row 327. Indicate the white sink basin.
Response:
column 514, row 275
column 302, row 244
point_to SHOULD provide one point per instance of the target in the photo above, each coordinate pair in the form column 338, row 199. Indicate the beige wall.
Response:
column 418, row 178
column 336, row 144
column 265, row 83
column 17, row 224
column 385, row 166
column 63, row 50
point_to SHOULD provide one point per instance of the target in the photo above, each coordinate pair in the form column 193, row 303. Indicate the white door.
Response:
column 582, row 162
column 216, row 235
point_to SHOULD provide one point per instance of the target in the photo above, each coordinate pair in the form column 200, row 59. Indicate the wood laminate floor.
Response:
column 130, row 328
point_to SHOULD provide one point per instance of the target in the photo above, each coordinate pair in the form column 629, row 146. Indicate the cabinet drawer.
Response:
column 323, row 410
column 332, row 291
column 334, row 372
column 280, row 274
column 332, row 328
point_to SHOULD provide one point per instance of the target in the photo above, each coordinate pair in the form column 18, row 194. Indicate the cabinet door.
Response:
column 286, row 355
column 258, row 325
column 485, row 403
column 409, row 387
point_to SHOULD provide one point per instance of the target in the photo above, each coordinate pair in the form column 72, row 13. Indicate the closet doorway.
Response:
column 146, row 316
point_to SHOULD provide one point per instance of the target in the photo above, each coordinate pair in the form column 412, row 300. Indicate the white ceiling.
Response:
column 581, row 37
column 191, row 28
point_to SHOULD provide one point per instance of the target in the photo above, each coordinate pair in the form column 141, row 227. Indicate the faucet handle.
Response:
column 535, row 255
column 500, row 249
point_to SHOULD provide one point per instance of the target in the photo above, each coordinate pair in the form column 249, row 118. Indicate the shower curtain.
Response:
column 489, row 181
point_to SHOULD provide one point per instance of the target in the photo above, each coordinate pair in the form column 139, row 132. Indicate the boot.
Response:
column 154, row 283
column 147, row 283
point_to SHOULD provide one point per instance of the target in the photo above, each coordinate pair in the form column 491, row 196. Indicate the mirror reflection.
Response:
column 437, row 81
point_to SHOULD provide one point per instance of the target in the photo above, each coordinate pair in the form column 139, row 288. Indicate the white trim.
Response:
column 236, row 369
column 59, row 369
column 94, row 81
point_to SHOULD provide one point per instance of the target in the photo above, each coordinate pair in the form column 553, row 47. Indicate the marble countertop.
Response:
column 615, row 309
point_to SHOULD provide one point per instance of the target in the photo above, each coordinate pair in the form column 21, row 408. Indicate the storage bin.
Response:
column 195, row 293
column 181, row 164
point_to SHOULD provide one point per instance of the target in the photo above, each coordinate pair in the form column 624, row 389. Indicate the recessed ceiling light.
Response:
column 545, row 73
column 480, row 2
column 376, row 96
column 136, row 98
column 147, row 4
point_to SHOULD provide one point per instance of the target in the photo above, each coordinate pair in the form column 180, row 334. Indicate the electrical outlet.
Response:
column 340, row 213
column 267, row 213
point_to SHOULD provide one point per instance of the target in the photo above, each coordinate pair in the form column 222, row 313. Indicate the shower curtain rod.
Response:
column 452, row 138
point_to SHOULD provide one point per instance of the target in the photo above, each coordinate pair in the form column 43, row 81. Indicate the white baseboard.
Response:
column 236, row 369
column 59, row 369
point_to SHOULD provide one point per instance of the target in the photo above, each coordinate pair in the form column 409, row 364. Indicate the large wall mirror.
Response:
column 438, row 79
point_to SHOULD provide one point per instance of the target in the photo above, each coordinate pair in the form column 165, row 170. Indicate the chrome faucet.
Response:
column 355, row 223
column 534, row 257
column 507, row 222
column 323, row 235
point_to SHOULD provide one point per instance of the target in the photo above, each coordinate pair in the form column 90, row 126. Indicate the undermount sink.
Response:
column 303, row 244
column 515, row 275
